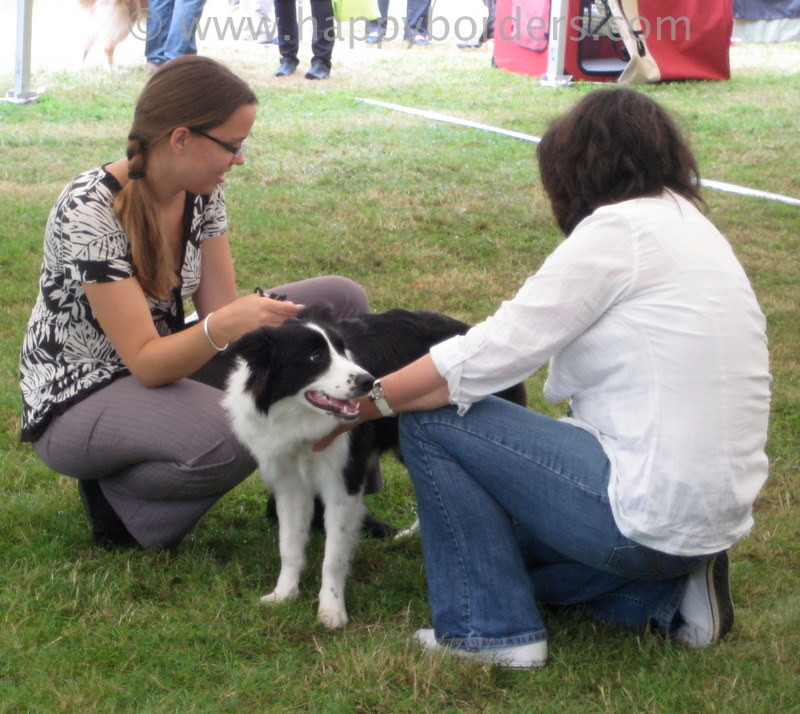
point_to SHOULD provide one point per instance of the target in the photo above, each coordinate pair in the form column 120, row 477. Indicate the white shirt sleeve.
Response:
column 577, row 283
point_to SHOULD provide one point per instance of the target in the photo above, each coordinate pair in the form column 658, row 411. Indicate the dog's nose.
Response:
column 364, row 381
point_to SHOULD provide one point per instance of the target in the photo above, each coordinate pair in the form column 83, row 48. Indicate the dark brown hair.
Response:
column 189, row 91
column 613, row 145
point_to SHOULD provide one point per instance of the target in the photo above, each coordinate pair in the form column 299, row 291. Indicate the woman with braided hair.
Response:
column 118, row 392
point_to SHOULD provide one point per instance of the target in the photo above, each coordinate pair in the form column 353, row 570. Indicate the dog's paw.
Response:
column 332, row 618
column 277, row 596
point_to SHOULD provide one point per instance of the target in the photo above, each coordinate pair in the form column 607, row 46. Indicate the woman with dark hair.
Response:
column 628, row 506
column 118, row 391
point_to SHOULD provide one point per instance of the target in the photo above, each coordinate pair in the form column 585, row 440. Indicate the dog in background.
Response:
column 288, row 389
column 110, row 23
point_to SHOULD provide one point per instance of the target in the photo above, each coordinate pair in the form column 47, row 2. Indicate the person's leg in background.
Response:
column 416, row 22
column 323, row 39
column 488, row 31
column 265, row 30
column 376, row 28
column 288, row 36
column 182, row 35
column 159, row 19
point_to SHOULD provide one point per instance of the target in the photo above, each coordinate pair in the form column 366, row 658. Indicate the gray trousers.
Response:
column 164, row 456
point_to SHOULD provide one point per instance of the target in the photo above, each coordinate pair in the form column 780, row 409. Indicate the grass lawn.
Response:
column 423, row 214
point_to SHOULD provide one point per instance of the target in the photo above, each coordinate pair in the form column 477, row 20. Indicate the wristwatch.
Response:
column 378, row 396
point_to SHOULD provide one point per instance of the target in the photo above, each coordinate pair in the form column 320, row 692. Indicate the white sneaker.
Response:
column 519, row 657
column 706, row 606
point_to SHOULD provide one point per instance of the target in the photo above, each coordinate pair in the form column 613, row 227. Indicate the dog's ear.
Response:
column 321, row 312
column 255, row 347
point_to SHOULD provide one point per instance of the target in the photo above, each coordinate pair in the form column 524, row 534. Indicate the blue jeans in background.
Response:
column 171, row 29
column 514, row 510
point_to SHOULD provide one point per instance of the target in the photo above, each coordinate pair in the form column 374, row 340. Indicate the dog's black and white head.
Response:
column 303, row 361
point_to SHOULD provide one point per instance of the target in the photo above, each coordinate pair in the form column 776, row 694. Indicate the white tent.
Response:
column 766, row 20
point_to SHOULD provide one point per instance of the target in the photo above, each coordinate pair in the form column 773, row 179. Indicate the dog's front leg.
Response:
column 344, row 515
column 295, row 504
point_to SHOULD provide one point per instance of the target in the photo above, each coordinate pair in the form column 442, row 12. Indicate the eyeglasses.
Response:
column 236, row 151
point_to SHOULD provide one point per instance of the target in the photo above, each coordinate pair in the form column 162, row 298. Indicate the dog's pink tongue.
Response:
column 340, row 407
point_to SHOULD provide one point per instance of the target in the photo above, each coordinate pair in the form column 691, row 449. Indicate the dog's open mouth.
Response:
column 346, row 409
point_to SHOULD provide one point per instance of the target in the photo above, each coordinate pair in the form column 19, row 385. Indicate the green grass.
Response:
column 422, row 214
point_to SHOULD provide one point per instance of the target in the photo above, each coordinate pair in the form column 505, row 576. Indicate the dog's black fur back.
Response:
column 384, row 342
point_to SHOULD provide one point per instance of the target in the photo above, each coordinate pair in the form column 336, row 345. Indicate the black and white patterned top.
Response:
column 65, row 355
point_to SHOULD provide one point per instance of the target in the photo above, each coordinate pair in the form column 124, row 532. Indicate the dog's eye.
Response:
column 315, row 357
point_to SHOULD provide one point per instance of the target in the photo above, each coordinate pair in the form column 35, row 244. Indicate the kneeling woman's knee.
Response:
column 411, row 426
column 354, row 299
column 222, row 466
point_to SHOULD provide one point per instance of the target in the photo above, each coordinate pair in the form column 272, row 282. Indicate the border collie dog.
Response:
column 289, row 387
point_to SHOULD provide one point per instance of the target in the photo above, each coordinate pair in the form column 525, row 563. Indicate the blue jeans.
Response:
column 414, row 23
column 171, row 26
column 513, row 510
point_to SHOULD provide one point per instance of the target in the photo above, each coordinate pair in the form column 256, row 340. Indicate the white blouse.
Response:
column 654, row 334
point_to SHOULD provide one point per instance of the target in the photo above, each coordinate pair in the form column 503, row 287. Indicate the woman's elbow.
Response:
column 151, row 369
column 150, row 383
column 150, row 379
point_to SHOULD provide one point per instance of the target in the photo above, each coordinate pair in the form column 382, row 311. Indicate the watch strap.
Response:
column 378, row 396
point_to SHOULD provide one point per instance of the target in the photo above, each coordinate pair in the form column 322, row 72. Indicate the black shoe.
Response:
column 285, row 68
column 108, row 530
column 470, row 45
column 371, row 526
column 319, row 70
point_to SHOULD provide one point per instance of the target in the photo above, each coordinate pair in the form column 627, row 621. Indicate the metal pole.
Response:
column 22, row 92
column 557, row 46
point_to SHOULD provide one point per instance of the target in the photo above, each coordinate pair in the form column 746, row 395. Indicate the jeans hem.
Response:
column 472, row 644
column 664, row 618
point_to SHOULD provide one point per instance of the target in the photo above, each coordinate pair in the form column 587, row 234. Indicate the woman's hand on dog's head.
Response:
column 250, row 312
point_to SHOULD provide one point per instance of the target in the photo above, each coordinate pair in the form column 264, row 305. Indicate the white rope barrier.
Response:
column 436, row 116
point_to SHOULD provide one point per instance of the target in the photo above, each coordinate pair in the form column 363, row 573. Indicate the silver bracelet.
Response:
column 208, row 337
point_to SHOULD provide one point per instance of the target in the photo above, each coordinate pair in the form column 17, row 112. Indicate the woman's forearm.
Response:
column 417, row 386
